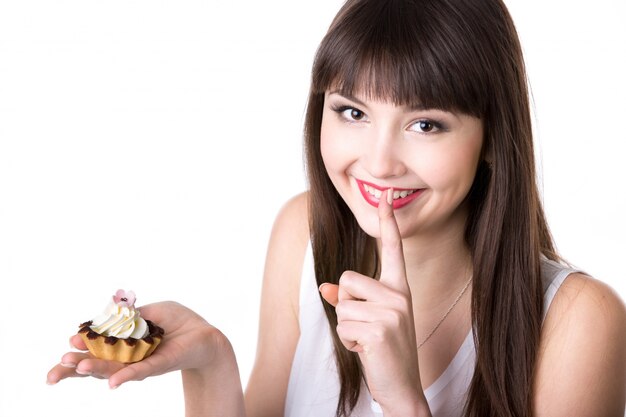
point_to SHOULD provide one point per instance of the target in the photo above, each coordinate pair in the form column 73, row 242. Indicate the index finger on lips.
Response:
column 393, row 270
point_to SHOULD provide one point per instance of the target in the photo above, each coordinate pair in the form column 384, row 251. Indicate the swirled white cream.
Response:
column 120, row 321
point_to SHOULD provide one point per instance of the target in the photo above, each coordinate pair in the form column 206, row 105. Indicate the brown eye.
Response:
column 356, row 114
column 350, row 114
column 425, row 126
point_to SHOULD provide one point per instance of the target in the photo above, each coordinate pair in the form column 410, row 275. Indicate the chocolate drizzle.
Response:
column 110, row 340
column 84, row 328
column 153, row 331
column 131, row 341
column 86, row 324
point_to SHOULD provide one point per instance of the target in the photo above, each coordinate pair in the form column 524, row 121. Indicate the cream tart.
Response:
column 120, row 333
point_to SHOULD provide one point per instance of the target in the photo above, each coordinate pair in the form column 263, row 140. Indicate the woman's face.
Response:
column 428, row 156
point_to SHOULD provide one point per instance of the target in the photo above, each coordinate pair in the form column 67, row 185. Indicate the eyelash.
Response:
column 437, row 125
column 341, row 109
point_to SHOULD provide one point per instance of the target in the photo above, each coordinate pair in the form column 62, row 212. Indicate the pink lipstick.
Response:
column 402, row 196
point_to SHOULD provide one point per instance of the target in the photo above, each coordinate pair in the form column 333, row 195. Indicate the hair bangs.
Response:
column 388, row 54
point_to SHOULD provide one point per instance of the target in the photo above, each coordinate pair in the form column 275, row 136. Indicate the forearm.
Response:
column 216, row 391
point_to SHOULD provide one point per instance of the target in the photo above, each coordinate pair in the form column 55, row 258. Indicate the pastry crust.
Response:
column 122, row 350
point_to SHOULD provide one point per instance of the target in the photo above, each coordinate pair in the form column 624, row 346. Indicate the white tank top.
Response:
column 313, row 388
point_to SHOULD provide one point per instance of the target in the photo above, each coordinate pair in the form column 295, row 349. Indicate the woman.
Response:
column 419, row 156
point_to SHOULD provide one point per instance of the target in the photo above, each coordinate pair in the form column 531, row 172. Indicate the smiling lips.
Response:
column 401, row 196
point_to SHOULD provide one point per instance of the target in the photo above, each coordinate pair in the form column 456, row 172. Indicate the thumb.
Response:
column 330, row 293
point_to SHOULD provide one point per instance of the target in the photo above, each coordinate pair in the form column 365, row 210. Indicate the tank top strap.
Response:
column 553, row 274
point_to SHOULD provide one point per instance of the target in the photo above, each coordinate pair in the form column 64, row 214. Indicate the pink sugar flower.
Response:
column 124, row 298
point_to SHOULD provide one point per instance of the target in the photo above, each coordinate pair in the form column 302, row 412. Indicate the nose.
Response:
column 383, row 156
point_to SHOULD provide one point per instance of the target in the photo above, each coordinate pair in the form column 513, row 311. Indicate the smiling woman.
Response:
column 477, row 213
column 148, row 145
column 385, row 147
column 420, row 161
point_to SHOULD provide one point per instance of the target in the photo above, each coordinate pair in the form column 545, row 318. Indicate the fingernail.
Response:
column 48, row 382
column 321, row 286
column 114, row 387
column 83, row 372
column 68, row 365
column 390, row 195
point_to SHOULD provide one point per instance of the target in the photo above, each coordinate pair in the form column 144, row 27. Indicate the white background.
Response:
column 148, row 145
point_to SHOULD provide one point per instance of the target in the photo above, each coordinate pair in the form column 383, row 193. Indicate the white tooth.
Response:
column 410, row 192
column 404, row 193
column 366, row 187
column 377, row 193
column 396, row 195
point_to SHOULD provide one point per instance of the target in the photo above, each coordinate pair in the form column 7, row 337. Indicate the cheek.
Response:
column 331, row 156
column 335, row 149
column 443, row 171
column 452, row 169
column 326, row 151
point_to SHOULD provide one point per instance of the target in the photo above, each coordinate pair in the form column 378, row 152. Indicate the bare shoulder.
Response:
column 292, row 221
column 595, row 306
column 289, row 239
column 581, row 368
column 279, row 328
column 286, row 251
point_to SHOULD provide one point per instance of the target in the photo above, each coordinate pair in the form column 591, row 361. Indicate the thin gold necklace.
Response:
column 458, row 298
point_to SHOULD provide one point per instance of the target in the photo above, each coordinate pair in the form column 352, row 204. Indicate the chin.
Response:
column 371, row 230
column 367, row 220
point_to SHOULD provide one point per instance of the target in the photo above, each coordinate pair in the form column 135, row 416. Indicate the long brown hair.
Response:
column 462, row 56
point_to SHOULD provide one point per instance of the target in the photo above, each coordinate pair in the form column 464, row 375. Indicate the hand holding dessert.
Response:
column 187, row 343
column 190, row 344
column 120, row 333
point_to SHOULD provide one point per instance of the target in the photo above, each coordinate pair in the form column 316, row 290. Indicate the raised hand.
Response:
column 189, row 343
column 375, row 319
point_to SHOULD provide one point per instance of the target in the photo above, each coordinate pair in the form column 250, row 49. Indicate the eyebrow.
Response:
column 409, row 108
